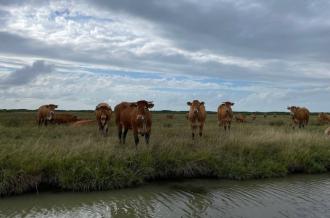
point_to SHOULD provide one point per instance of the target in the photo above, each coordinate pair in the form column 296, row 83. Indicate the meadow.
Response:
column 64, row 158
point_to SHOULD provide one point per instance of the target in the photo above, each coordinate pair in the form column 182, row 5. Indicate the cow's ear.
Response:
column 189, row 103
column 55, row 106
column 202, row 103
column 150, row 105
column 231, row 103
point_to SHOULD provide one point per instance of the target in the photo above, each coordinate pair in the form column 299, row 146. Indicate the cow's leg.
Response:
column 193, row 130
column 147, row 137
column 45, row 122
column 40, row 122
column 136, row 138
column 105, row 130
column 120, row 129
column 201, row 129
column 124, row 135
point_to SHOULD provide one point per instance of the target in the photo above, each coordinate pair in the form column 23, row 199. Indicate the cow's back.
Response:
column 123, row 114
column 302, row 114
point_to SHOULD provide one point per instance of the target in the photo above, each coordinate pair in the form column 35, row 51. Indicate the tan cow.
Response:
column 46, row 114
column 299, row 116
column 324, row 118
column 196, row 116
column 135, row 116
column 103, row 114
column 225, row 114
column 240, row 118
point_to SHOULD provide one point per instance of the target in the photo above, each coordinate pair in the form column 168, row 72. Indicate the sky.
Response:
column 261, row 55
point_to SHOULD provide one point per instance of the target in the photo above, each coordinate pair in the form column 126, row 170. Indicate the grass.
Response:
column 79, row 159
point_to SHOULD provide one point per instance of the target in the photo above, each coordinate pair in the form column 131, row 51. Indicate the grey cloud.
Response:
column 270, row 29
column 27, row 73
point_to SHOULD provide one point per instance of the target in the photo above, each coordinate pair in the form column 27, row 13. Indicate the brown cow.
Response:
column 135, row 116
column 196, row 116
column 225, row 114
column 64, row 118
column 46, row 114
column 240, row 118
column 103, row 115
column 299, row 115
column 324, row 118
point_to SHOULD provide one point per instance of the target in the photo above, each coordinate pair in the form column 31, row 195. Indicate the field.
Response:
column 62, row 158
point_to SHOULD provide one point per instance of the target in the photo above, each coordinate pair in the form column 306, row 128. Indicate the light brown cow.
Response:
column 64, row 118
column 135, row 116
column 196, row 116
column 324, row 118
column 46, row 114
column 299, row 116
column 103, row 114
column 240, row 118
column 225, row 114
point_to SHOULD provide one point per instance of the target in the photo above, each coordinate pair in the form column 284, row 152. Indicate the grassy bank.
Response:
column 78, row 159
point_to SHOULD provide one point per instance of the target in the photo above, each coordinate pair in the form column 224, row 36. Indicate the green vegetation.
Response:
column 79, row 159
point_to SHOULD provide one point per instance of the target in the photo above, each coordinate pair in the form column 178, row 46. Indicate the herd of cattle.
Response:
column 137, row 117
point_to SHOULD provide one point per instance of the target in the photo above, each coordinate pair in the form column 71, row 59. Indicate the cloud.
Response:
column 27, row 74
column 260, row 54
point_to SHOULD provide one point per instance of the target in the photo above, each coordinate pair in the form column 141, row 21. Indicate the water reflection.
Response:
column 298, row 196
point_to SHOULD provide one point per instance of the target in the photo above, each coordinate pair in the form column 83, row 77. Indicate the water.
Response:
column 295, row 196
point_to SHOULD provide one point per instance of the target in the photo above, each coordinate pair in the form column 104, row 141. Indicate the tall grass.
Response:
column 79, row 159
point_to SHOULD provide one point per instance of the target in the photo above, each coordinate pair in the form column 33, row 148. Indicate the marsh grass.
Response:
column 79, row 159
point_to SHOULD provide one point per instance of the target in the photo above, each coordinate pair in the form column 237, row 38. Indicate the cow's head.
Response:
column 105, row 111
column 142, row 108
column 292, row 110
column 51, row 111
column 228, row 105
column 195, row 106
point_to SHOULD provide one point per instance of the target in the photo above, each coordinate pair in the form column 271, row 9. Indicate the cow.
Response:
column 299, row 116
column 324, row 118
column 83, row 123
column 135, row 116
column 240, row 118
column 196, row 116
column 103, row 114
column 64, row 118
column 225, row 114
column 46, row 114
